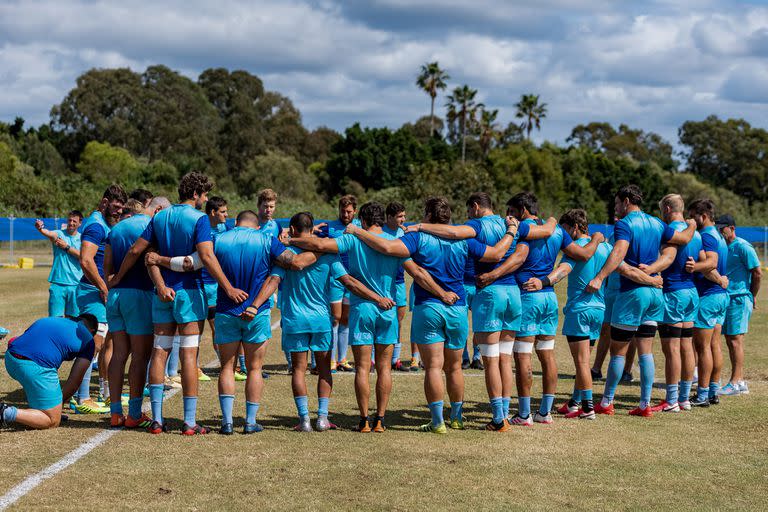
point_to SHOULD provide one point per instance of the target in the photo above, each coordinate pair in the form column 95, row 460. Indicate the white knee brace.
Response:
column 487, row 350
column 522, row 347
column 545, row 344
column 163, row 342
column 506, row 347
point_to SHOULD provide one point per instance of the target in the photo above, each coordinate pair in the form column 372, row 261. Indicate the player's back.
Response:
column 215, row 232
column 742, row 258
column 644, row 234
column 445, row 260
column 675, row 276
column 120, row 240
column 542, row 255
column 49, row 341
column 712, row 241
column 95, row 230
column 375, row 270
column 396, row 233
column 583, row 272
column 335, row 229
column 490, row 229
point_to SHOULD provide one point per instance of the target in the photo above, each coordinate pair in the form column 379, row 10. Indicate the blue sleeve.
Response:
column 324, row 232
column 108, row 240
column 411, row 242
column 87, row 347
column 708, row 243
column 276, row 247
column 278, row 271
column 668, row 233
column 203, row 230
column 749, row 257
column 523, row 230
column 337, row 268
column 149, row 232
column 621, row 231
column 568, row 261
column 475, row 225
column 476, row 249
column 567, row 240
column 345, row 242
column 94, row 233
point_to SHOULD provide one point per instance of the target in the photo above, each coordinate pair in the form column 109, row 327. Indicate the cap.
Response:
column 725, row 221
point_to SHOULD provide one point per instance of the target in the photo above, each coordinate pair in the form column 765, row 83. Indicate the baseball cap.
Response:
column 725, row 221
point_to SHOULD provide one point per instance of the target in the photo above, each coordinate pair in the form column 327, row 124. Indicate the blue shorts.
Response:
column 434, row 322
column 638, row 306
column 233, row 328
column 401, row 298
column 211, row 290
column 583, row 323
column 62, row 300
column 610, row 299
column 188, row 306
column 711, row 310
column 89, row 301
column 470, row 289
column 303, row 341
column 539, row 316
column 41, row 385
column 738, row 314
column 130, row 310
column 336, row 291
column 496, row 308
column 680, row 306
column 368, row 325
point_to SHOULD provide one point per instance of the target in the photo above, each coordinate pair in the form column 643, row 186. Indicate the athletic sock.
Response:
column 301, row 405
column 497, row 409
column 251, row 408
column 436, row 410
column 172, row 367
column 103, row 388
column 84, row 391
column 685, row 390
column 288, row 358
column 672, row 390
column 505, row 400
column 546, row 404
column 312, row 362
column 322, row 406
column 134, row 407
column 116, row 407
column 226, row 402
column 416, row 357
column 615, row 369
column 714, row 387
column 702, row 393
column 190, row 410
column 456, row 410
column 241, row 361
column 523, row 406
column 396, row 352
column 156, row 401
column 334, row 342
column 586, row 400
column 646, row 379
column 343, row 342
column 575, row 398
column 9, row 414
column 476, row 356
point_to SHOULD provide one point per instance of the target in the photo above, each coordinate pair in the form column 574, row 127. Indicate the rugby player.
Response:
column 65, row 270
column 638, row 308
column 744, row 277
column 92, row 290
column 33, row 360
column 393, row 226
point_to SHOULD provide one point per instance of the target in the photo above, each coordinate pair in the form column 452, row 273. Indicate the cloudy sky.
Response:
column 651, row 64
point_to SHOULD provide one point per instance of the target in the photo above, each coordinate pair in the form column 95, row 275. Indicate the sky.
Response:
column 651, row 64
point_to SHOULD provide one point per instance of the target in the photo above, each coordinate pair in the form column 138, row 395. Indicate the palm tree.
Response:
column 463, row 109
column 430, row 80
column 529, row 110
column 488, row 129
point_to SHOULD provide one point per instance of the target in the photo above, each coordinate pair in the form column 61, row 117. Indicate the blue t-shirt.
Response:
column 334, row 229
column 375, row 270
column 120, row 240
column 542, row 255
column 176, row 231
column 396, row 233
column 445, row 260
column 271, row 227
column 50, row 341
column 675, row 276
column 742, row 258
column 612, row 282
column 645, row 234
column 215, row 232
column 583, row 272
column 95, row 230
column 304, row 302
column 245, row 256
column 66, row 268
column 488, row 231
column 712, row 241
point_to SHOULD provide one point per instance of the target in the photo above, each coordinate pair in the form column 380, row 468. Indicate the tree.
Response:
column 531, row 112
column 488, row 132
column 280, row 172
column 430, row 80
column 643, row 147
column 102, row 164
column 462, row 109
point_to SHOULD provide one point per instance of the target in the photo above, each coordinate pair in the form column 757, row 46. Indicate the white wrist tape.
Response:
column 177, row 263
column 102, row 330
column 488, row 350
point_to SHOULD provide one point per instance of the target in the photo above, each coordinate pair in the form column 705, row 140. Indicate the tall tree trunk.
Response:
column 432, row 118
column 463, row 138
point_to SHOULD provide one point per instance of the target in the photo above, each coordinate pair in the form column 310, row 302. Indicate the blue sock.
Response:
column 671, row 397
column 714, row 387
column 241, row 361
column 288, row 358
column 226, row 402
column 343, row 342
column 647, row 371
column 476, row 352
column 10, row 413
column 190, row 410
column 301, row 405
column 702, row 393
column 546, row 404
column 322, row 406
column 576, row 397
column 456, row 410
column 685, row 390
column 523, row 406
column 116, row 407
column 586, row 394
column 497, row 409
column 134, row 407
column 615, row 369
column 436, row 410
column 396, row 352
column 84, row 391
column 505, row 400
column 172, row 366
column 156, row 401
column 251, row 408
column 312, row 362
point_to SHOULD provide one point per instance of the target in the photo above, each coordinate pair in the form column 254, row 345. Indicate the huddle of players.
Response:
column 514, row 308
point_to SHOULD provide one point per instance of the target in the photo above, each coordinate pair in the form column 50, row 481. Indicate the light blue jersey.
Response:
column 489, row 230
column 712, row 241
column 304, row 303
column 375, row 270
column 120, row 240
column 742, row 259
column 581, row 274
column 215, row 232
column 675, row 276
column 271, row 227
column 542, row 255
column 66, row 269
column 396, row 233
column 176, row 231
column 335, row 229
column 645, row 234
column 95, row 230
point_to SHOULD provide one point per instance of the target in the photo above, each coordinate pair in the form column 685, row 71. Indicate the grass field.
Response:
column 706, row 459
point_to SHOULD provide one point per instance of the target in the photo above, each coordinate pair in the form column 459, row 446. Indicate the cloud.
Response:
column 747, row 84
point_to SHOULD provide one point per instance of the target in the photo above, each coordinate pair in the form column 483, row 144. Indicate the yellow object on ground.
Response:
column 26, row 263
